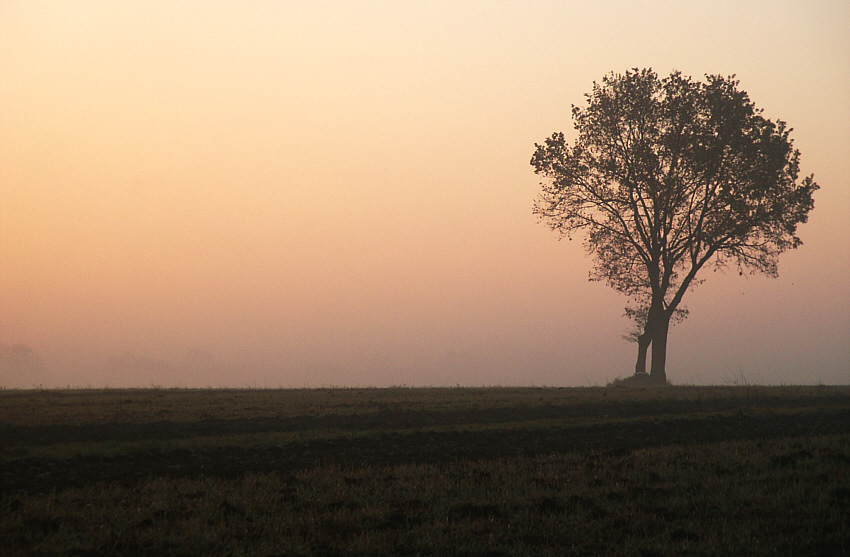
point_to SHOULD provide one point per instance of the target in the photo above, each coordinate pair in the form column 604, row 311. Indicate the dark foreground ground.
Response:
column 668, row 471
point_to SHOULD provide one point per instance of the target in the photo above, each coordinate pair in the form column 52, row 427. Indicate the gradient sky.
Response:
column 339, row 193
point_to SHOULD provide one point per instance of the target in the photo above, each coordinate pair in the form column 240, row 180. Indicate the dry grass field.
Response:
column 739, row 470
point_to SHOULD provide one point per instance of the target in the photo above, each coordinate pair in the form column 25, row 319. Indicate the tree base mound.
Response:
column 640, row 380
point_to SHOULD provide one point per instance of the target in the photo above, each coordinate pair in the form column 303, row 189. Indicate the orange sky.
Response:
column 339, row 193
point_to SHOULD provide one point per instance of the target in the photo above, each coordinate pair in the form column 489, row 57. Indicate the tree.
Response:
column 667, row 177
column 21, row 366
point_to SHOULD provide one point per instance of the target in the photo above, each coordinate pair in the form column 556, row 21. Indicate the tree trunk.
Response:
column 657, row 369
column 643, row 345
column 644, row 340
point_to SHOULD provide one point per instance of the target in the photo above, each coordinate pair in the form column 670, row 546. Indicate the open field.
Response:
column 495, row 471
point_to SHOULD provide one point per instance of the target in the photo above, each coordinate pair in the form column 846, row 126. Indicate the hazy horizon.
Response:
column 339, row 193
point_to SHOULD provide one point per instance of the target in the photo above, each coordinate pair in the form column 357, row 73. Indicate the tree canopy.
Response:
column 666, row 177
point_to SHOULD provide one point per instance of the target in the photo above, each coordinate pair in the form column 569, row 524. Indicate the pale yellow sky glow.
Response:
column 339, row 193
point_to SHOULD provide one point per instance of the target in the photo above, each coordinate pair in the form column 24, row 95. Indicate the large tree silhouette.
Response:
column 667, row 177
